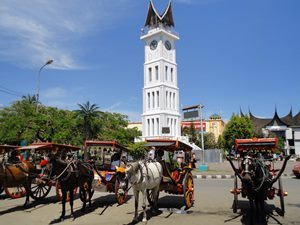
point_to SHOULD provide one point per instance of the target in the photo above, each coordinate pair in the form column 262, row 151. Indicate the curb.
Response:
column 213, row 176
column 227, row 176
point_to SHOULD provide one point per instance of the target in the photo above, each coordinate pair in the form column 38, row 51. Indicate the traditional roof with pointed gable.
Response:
column 276, row 121
column 288, row 120
column 153, row 19
column 296, row 119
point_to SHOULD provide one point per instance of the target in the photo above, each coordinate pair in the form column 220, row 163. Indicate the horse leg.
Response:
column 63, row 203
column 144, row 206
column 136, row 204
column 155, row 192
column 27, row 189
column 83, row 192
column 72, row 201
column 91, row 192
column 251, row 210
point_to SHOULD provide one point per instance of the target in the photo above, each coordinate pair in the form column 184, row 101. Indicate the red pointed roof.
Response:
column 153, row 19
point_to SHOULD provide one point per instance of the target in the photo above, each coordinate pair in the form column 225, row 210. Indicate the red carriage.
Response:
column 37, row 154
column 176, row 159
column 109, row 158
column 258, row 151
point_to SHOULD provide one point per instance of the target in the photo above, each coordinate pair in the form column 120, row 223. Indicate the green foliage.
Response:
column 21, row 121
column 237, row 128
column 137, row 150
column 209, row 141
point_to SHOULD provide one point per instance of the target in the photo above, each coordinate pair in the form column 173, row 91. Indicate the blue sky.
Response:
column 231, row 54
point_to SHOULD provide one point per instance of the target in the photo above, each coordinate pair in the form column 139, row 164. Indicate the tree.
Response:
column 88, row 113
column 209, row 141
column 137, row 150
column 237, row 128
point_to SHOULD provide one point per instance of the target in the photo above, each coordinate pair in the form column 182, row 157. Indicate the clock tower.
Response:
column 161, row 115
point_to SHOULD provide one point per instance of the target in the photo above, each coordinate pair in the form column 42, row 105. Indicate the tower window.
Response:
column 156, row 72
column 171, row 74
column 166, row 73
column 157, row 95
column 150, row 74
column 148, row 100
column 153, row 100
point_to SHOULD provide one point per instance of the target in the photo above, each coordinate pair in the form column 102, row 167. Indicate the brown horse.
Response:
column 71, row 174
column 17, row 174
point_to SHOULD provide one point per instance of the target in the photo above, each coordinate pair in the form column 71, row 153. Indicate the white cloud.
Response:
column 34, row 31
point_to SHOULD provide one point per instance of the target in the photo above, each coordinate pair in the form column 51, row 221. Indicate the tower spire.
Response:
column 154, row 19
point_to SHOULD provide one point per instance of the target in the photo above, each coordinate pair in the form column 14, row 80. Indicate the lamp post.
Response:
column 201, row 127
column 38, row 82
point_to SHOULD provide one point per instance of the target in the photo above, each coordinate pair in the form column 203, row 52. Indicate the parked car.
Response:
column 296, row 170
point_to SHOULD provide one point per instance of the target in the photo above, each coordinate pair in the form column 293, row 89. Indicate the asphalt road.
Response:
column 212, row 207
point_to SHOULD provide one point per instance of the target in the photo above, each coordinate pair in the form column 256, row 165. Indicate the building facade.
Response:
column 161, row 115
column 286, row 127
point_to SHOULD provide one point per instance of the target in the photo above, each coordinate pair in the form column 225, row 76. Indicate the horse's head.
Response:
column 131, row 172
column 55, row 165
column 248, row 168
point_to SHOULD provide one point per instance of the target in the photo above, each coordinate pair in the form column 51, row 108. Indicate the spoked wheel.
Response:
column 281, row 196
column 188, row 190
column 15, row 192
column 150, row 197
column 120, row 193
column 39, row 189
column 235, row 198
column 81, row 195
column 59, row 192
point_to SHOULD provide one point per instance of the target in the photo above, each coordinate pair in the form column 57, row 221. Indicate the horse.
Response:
column 256, row 180
column 17, row 174
column 70, row 175
column 143, row 176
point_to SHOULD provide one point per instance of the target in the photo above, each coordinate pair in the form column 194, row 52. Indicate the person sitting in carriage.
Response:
column 14, row 157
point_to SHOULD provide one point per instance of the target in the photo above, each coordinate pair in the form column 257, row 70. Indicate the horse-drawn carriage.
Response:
column 109, row 158
column 176, row 158
column 8, row 152
column 257, row 173
column 29, row 173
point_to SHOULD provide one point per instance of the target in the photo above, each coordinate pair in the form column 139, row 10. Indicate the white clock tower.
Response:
column 161, row 115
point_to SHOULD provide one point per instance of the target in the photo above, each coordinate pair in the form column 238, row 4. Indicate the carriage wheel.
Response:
column 59, row 193
column 87, row 194
column 15, row 192
column 120, row 193
column 281, row 196
column 150, row 197
column 235, row 198
column 39, row 189
column 188, row 190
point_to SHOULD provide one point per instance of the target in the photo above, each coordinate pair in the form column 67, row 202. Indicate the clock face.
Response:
column 153, row 44
column 168, row 45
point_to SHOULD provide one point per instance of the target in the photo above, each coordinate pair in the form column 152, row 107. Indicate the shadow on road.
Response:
column 245, row 215
column 101, row 202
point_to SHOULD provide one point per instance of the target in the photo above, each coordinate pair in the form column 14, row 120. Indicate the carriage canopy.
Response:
column 256, row 145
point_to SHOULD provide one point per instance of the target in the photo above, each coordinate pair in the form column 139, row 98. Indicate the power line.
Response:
column 10, row 91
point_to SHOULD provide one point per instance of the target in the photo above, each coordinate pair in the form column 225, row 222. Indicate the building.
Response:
column 215, row 125
column 286, row 127
column 161, row 115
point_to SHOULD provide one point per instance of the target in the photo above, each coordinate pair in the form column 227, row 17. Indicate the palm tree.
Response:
column 31, row 99
column 88, row 112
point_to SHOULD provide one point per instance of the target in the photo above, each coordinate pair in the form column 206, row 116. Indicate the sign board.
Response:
column 197, row 125
column 191, row 114
column 165, row 130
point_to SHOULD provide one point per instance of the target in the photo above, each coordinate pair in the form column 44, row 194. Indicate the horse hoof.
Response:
column 61, row 219
column 144, row 220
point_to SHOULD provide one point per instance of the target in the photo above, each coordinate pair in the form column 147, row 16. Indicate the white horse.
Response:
column 143, row 176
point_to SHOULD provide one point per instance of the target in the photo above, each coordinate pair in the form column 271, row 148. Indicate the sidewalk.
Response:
column 223, row 170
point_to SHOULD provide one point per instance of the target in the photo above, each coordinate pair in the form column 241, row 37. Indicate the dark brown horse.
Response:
column 17, row 174
column 72, row 174
column 256, row 180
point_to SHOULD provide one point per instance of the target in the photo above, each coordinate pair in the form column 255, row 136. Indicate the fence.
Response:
column 210, row 155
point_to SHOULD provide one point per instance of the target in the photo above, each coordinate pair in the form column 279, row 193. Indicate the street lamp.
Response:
column 39, row 78
column 201, row 126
